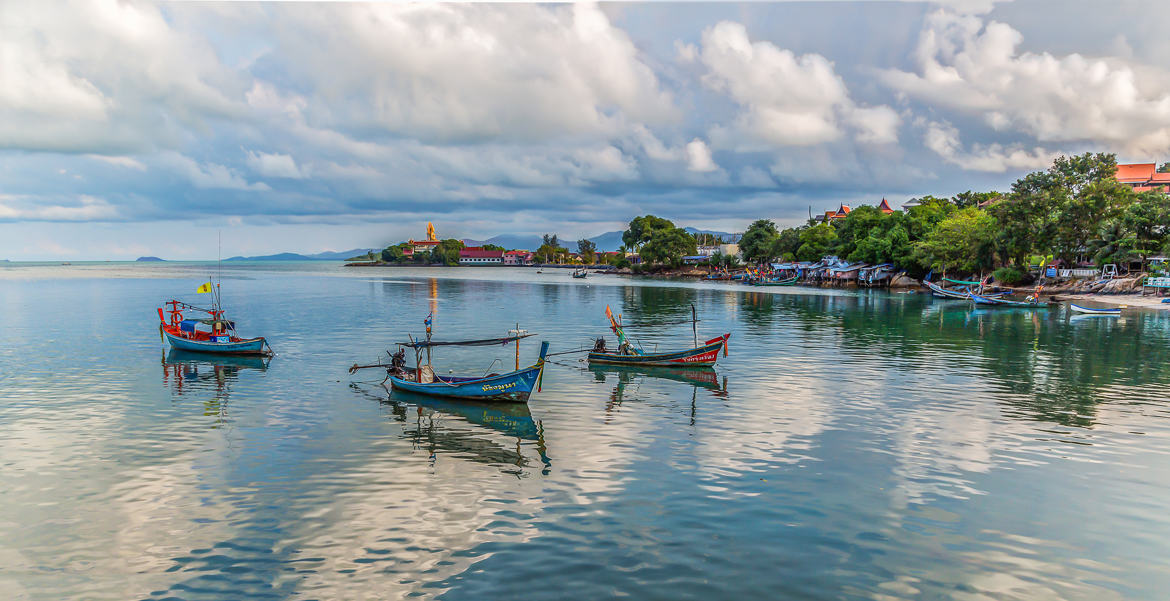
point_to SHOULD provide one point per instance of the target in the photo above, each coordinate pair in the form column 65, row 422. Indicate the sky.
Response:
column 130, row 129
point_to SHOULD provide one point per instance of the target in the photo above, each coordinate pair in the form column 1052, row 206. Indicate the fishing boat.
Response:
column 212, row 332
column 580, row 273
column 791, row 281
column 1004, row 302
column 1092, row 311
column 631, row 354
column 515, row 386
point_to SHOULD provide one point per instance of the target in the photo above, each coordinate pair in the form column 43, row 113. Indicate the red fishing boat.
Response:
column 631, row 354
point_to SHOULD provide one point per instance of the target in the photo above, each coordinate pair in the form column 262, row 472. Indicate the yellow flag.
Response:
column 204, row 288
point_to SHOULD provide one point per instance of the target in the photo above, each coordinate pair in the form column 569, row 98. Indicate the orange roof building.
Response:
column 1143, row 177
column 885, row 207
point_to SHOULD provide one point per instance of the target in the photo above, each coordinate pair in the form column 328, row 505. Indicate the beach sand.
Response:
column 1116, row 300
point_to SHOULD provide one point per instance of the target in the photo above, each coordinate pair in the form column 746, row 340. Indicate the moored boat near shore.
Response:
column 1092, row 310
column 629, row 354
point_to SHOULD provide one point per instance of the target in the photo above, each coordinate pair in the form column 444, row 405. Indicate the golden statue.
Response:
column 431, row 232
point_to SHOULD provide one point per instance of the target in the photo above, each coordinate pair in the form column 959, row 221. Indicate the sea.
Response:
column 851, row 445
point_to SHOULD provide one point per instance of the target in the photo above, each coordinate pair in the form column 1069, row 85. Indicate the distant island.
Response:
column 149, row 259
column 322, row 256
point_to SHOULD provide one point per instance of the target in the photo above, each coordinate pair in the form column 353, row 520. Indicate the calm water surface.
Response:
column 852, row 446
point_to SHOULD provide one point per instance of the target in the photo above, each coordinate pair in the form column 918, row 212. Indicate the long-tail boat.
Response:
column 790, row 281
column 630, row 354
column 219, row 335
column 514, row 386
column 1093, row 310
column 1032, row 303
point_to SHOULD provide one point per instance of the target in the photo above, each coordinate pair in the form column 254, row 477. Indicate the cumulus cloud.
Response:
column 274, row 165
column 785, row 99
column 699, row 157
column 943, row 139
column 468, row 72
column 104, row 76
column 976, row 67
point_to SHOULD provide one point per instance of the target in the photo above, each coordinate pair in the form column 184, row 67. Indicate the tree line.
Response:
column 1075, row 210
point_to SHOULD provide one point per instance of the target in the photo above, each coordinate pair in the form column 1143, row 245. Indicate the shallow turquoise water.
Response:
column 852, row 446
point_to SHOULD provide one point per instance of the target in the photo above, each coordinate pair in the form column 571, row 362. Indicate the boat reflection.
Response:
column 632, row 376
column 466, row 429
column 199, row 373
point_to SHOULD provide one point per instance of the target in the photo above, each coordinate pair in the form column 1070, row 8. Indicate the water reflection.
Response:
column 197, row 374
column 467, row 429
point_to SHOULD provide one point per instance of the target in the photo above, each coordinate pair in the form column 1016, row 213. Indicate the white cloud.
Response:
column 785, row 99
column 699, row 157
column 102, row 76
column 976, row 67
column 943, row 139
column 468, row 72
column 81, row 208
column 119, row 161
column 209, row 175
column 274, row 165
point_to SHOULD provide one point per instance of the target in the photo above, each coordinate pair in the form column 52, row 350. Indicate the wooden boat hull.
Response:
column 787, row 282
column 512, row 387
column 1003, row 302
column 1091, row 311
column 703, row 355
column 248, row 346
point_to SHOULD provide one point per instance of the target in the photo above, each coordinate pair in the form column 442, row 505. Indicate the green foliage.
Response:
column 1164, row 168
column 964, row 241
column 493, row 247
column 447, row 252
column 1009, row 275
column 787, row 243
column 551, row 240
column 668, row 247
column 856, row 226
column 758, row 241
column 966, row 199
column 588, row 250
column 1147, row 221
column 816, row 242
column 642, row 229
column 393, row 254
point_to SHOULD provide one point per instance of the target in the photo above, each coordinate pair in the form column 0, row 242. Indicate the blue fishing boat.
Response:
column 515, row 386
column 1004, row 302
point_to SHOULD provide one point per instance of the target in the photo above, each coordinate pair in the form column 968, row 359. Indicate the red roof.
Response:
column 1160, row 178
column 517, row 253
column 481, row 254
column 1135, row 173
column 885, row 207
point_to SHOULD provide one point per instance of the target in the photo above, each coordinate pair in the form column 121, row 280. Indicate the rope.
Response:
column 580, row 350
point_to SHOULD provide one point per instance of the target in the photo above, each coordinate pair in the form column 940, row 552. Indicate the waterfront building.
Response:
column 1143, row 177
column 517, row 258
column 478, row 256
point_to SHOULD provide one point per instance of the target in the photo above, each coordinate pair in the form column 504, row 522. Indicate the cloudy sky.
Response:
column 130, row 129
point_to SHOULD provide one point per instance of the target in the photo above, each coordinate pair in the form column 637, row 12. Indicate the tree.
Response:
column 973, row 199
column 447, row 252
column 1079, row 217
column 757, row 242
column 1147, row 222
column 493, row 247
column 393, row 254
column 856, row 226
column 1164, row 168
column 668, row 246
column 641, row 229
column 964, row 241
column 816, row 242
column 787, row 243
column 588, row 250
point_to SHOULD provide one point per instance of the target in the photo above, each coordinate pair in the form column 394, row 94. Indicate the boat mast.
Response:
column 694, row 324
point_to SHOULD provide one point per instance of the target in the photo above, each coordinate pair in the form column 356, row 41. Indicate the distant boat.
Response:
column 218, row 335
column 1093, row 311
column 580, row 273
column 629, row 354
column 778, row 282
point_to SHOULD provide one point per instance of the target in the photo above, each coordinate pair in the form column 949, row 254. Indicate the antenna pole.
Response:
column 695, row 326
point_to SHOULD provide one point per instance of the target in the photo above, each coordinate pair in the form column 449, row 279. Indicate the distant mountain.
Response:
column 321, row 256
column 148, row 259
column 509, row 241
column 276, row 257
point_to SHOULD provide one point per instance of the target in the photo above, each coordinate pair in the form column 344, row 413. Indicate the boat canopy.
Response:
column 963, row 282
column 483, row 342
column 188, row 325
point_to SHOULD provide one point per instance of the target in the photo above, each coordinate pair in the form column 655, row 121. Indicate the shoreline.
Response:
column 1130, row 301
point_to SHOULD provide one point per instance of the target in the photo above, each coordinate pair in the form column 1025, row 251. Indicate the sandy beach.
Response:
column 1116, row 300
